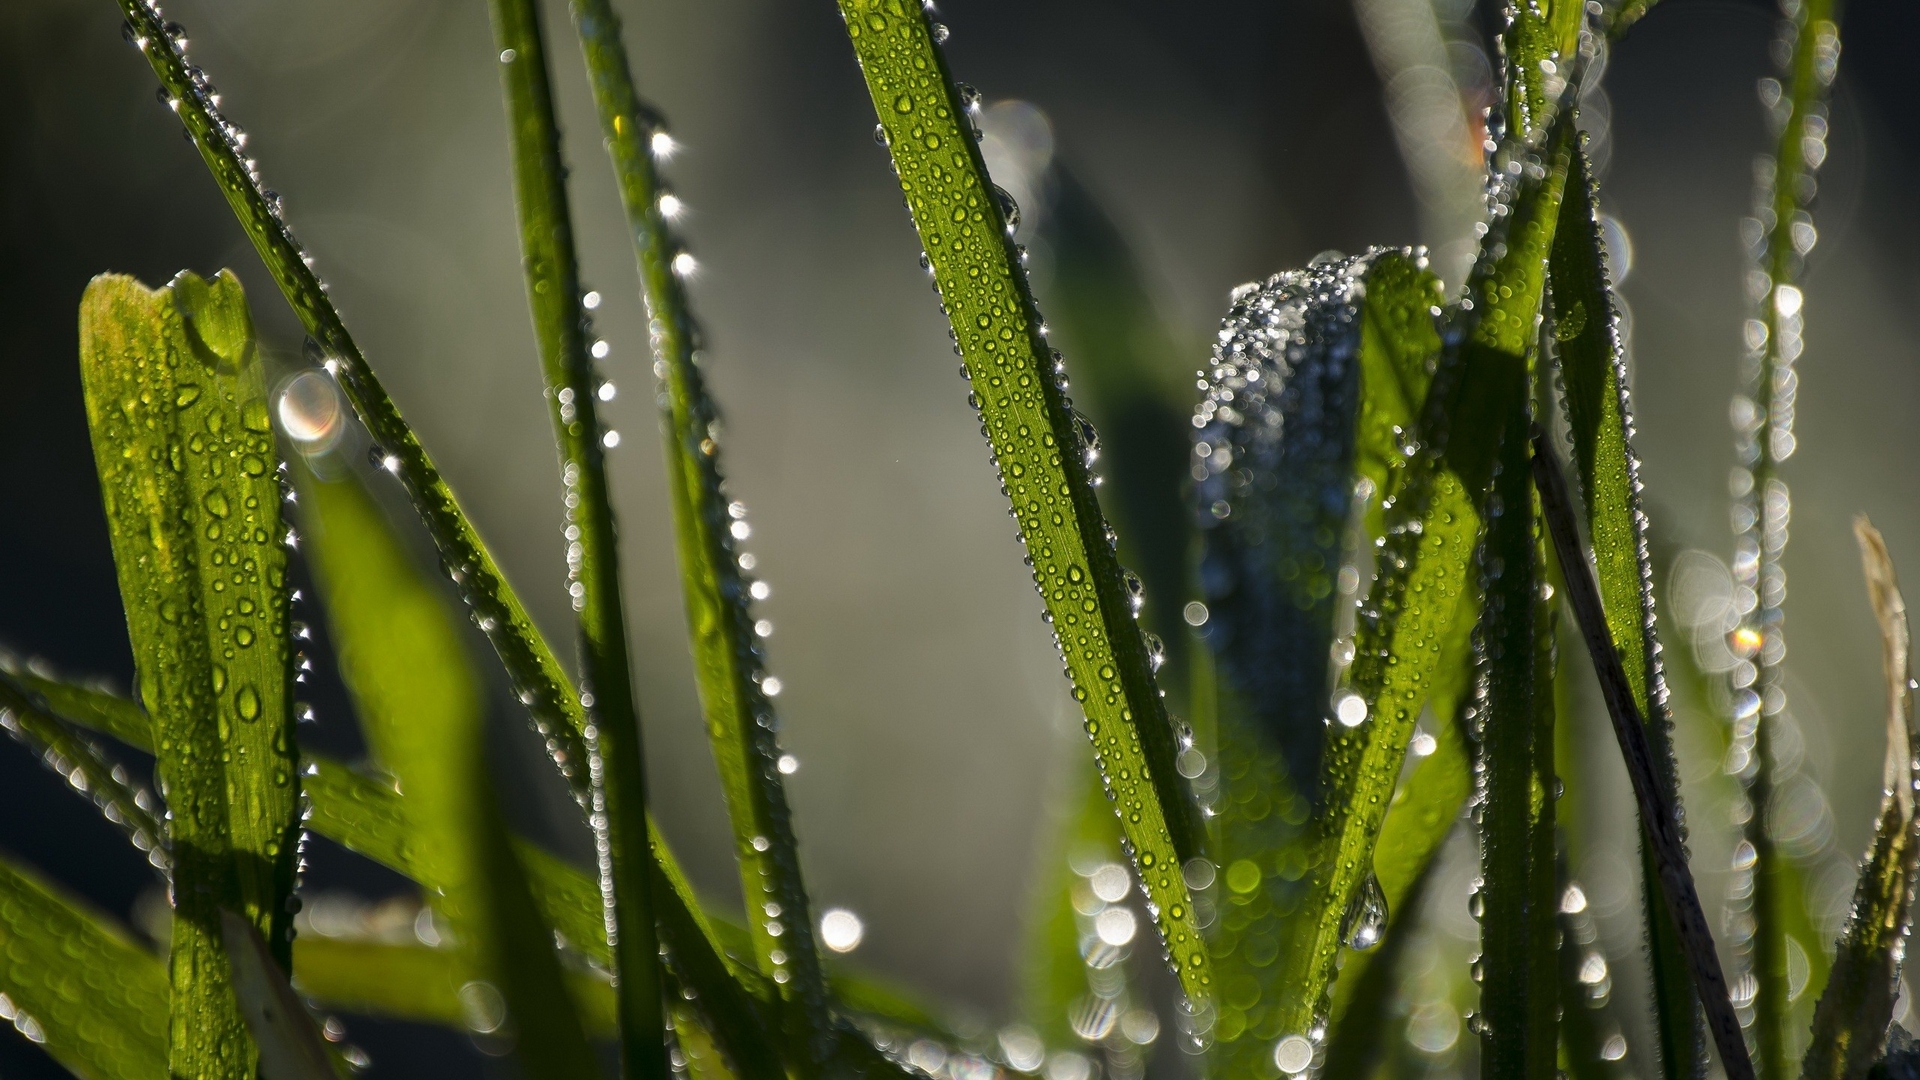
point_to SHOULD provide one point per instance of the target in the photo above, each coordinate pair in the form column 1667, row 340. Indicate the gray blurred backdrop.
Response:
column 1227, row 141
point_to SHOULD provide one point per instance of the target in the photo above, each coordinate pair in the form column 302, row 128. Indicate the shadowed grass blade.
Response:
column 402, row 659
column 593, row 562
column 727, row 659
column 1778, row 237
column 1519, row 973
column 1850, row 1022
column 538, row 678
column 1041, row 449
column 1600, row 413
column 291, row 1048
column 78, row 984
column 1592, row 1044
column 86, row 769
column 184, row 450
column 1658, row 815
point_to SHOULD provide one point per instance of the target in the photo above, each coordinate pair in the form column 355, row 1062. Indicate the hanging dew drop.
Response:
column 1365, row 922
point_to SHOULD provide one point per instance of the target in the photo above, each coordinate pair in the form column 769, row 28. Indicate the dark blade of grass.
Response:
column 184, row 451
column 607, row 691
column 1038, row 445
column 402, row 660
column 727, row 661
column 1658, row 815
column 86, row 769
column 1519, row 992
column 291, row 1047
column 1600, row 413
column 1779, row 236
column 1850, row 1021
column 539, row 679
column 79, row 985
column 1592, row 1045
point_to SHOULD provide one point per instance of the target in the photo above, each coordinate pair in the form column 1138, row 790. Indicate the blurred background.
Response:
column 1209, row 145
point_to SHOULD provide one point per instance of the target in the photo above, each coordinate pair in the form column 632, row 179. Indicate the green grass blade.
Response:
column 1659, row 816
column 78, row 984
column 539, row 679
column 92, row 707
column 87, row 770
column 1779, row 236
column 185, row 455
column 727, row 659
column 1038, row 445
column 1850, row 1022
column 1519, row 973
column 415, row 982
column 593, row 561
column 1599, row 411
column 402, row 659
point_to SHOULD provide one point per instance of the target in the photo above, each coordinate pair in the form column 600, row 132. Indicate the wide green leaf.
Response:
column 727, row 657
column 78, row 984
column 1850, row 1022
column 1041, row 451
column 178, row 413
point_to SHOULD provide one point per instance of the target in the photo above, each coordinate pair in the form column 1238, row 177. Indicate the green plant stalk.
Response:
column 1763, row 441
column 1850, row 1021
column 1519, row 992
column 1040, row 455
column 89, row 993
column 739, row 714
column 1599, row 411
column 401, row 656
column 86, row 769
column 538, row 677
column 184, row 451
column 607, row 691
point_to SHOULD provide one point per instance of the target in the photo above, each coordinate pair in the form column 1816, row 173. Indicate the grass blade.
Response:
column 127, row 804
column 415, row 982
column 402, row 659
column 1658, row 815
column 1850, row 1022
column 1592, row 1045
column 1038, row 444
column 613, row 719
column 1519, row 993
column 290, row 1046
column 184, row 452
column 1778, row 235
column 1600, row 413
column 539, row 679
column 78, row 984
column 727, row 657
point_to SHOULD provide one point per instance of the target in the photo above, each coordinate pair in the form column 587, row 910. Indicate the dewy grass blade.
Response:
column 1778, row 237
column 538, row 677
column 1599, row 411
column 78, row 984
column 1658, row 815
column 365, row 815
column 593, row 562
column 415, row 983
column 727, row 661
column 1850, row 1022
column 184, row 451
column 402, row 660
column 1519, row 976
column 86, row 769
column 90, row 707
column 1594, row 1047
column 1038, row 445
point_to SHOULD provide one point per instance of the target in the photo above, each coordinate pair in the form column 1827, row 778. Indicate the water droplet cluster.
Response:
column 1041, row 451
